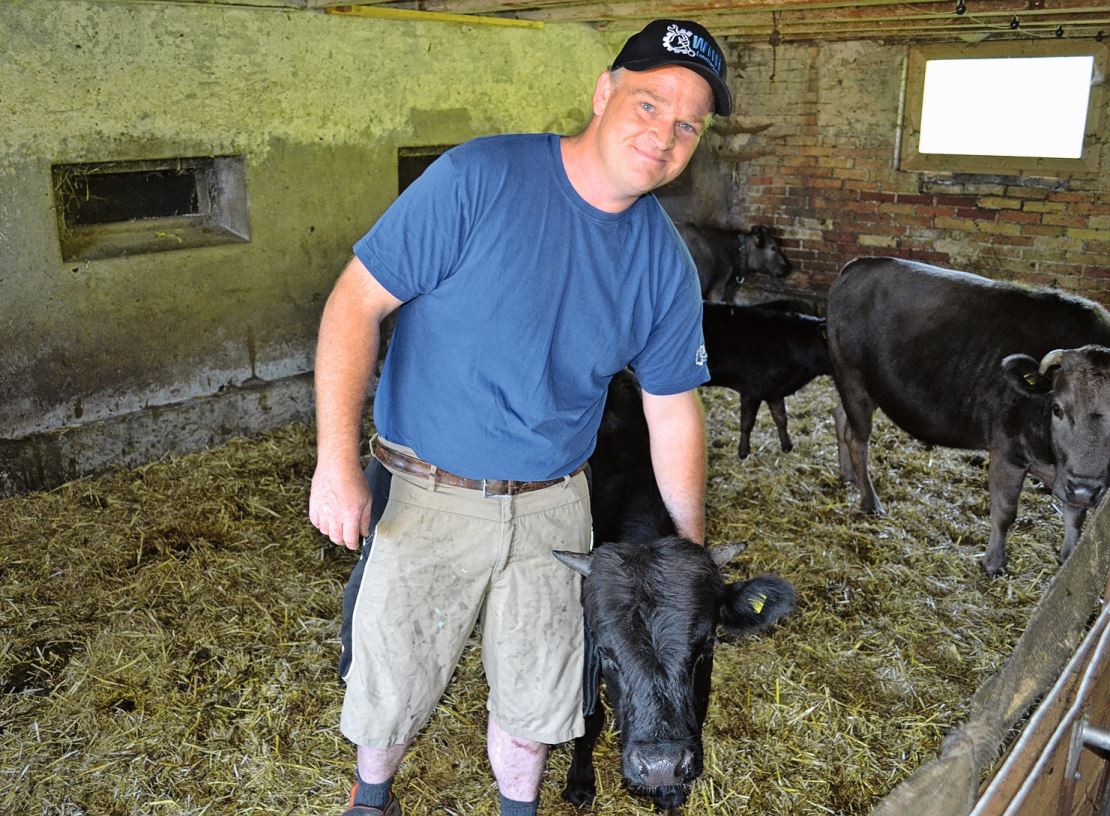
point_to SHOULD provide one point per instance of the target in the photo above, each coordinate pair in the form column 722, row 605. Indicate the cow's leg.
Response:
column 1005, row 479
column 731, row 287
column 841, row 421
column 778, row 414
column 749, row 407
column 716, row 293
column 1073, row 524
column 581, row 787
column 858, row 413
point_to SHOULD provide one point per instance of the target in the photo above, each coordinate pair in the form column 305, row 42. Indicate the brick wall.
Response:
column 811, row 151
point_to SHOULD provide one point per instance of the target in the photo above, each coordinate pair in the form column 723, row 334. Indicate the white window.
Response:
column 1020, row 106
column 1003, row 108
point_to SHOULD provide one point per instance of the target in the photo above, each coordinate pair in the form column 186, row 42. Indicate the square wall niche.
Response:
column 112, row 209
column 412, row 161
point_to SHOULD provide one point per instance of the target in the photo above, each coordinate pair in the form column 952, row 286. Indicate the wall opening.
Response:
column 104, row 198
column 412, row 161
column 112, row 209
column 1023, row 108
column 1012, row 106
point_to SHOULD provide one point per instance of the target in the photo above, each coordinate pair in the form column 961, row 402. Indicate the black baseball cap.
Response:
column 679, row 42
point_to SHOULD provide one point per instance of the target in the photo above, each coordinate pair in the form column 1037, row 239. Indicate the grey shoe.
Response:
column 392, row 808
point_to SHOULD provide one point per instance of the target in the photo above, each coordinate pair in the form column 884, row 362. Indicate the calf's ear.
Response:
column 579, row 562
column 1023, row 374
column 750, row 606
column 591, row 673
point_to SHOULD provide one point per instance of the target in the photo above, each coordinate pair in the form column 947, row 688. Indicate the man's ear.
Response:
column 602, row 91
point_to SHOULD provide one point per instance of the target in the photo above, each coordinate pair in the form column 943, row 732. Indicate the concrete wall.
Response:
column 811, row 151
column 121, row 360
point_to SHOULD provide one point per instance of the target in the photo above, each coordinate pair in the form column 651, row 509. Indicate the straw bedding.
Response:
column 168, row 635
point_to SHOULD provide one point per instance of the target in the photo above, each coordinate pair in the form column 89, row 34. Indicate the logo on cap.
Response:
column 689, row 45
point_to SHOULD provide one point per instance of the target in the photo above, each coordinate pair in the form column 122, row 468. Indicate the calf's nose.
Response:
column 655, row 766
column 1083, row 491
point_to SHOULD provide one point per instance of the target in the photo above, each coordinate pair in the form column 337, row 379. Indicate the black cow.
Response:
column 725, row 257
column 765, row 355
column 967, row 362
column 652, row 602
column 795, row 305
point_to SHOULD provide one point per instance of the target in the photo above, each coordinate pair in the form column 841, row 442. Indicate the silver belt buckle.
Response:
column 487, row 495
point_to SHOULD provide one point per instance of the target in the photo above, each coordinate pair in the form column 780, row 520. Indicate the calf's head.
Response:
column 651, row 612
column 1074, row 384
column 760, row 253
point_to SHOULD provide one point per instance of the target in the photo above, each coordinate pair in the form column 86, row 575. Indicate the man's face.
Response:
column 650, row 123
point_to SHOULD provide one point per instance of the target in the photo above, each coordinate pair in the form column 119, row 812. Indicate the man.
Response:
column 528, row 269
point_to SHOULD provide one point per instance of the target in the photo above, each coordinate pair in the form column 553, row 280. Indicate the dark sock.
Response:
column 511, row 807
column 372, row 795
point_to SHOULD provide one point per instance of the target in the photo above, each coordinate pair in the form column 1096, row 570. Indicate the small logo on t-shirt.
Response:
column 700, row 356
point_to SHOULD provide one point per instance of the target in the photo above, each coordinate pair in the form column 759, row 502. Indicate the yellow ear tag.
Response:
column 757, row 603
column 1031, row 378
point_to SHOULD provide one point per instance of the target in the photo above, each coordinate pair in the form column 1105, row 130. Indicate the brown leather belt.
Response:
column 490, row 487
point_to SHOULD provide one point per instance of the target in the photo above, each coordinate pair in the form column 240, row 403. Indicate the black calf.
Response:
column 652, row 603
column 765, row 355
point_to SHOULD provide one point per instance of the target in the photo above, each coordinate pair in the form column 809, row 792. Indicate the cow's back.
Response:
column 927, row 342
column 625, row 499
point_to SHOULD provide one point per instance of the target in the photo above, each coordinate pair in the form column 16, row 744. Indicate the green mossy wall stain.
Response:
column 427, row 125
column 317, row 105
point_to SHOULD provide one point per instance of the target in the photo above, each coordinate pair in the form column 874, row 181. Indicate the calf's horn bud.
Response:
column 1051, row 360
column 724, row 553
column 581, row 563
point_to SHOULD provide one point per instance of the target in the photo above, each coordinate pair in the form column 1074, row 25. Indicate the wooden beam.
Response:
column 1041, row 27
column 409, row 15
column 671, row 8
column 876, row 20
column 325, row 4
column 621, row 10
column 1028, row 18
column 923, row 33
column 878, row 11
column 726, row 28
column 1001, row 11
column 745, row 20
column 261, row 5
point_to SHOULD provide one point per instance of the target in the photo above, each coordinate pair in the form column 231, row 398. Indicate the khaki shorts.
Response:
column 442, row 559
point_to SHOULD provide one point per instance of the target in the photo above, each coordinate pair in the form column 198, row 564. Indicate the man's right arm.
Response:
column 346, row 352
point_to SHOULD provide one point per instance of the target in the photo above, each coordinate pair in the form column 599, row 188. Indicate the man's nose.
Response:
column 663, row 134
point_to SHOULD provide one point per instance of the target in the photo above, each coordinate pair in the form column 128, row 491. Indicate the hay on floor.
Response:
column 168, row 635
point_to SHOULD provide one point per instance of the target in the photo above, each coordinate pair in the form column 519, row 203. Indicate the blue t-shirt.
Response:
column 521, row 301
